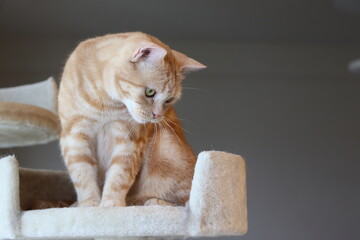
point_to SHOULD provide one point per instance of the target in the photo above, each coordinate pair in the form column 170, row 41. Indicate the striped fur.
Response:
column 116, row 151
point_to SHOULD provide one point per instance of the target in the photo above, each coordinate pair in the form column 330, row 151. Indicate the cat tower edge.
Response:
column 217, row 206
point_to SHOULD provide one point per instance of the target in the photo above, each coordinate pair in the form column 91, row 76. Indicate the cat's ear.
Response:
column 148, row 52
column 187, row 64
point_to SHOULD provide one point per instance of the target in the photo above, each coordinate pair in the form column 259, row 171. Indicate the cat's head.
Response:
column 149, row 80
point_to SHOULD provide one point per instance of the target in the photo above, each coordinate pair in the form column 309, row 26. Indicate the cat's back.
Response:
column 94, row 52
column 81, row 89
column 106, row 42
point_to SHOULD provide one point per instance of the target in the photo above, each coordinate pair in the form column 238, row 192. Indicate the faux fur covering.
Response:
column 42, row 94
column 28, row 114
column 217, row 206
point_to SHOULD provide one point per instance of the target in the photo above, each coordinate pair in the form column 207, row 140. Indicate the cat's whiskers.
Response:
column 173, row 132
column 191, row 88
column 180, row 142
column 163, row 129
column 154, row 139
column 182, row 128
column 176, row 118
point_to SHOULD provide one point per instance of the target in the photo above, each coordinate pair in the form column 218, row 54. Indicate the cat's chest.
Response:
column 108, row 135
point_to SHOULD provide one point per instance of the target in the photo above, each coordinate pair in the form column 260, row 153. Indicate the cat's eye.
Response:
column 150, row 92
column 169, row 100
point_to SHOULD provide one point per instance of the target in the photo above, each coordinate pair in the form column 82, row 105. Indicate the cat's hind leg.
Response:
column 167, row 171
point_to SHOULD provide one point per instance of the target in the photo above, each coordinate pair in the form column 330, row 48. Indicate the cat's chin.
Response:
column 140, row 120
column 144, row 121
column 149, row 121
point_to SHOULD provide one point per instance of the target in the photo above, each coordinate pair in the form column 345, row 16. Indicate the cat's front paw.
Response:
column 89, row 203
column 112, row 203
column 158, row 201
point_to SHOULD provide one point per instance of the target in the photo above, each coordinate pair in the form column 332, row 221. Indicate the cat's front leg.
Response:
column 124, row 165
column 76, row 146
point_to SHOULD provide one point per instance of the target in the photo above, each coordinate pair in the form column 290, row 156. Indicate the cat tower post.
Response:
column 217, row 204
column 9, row 198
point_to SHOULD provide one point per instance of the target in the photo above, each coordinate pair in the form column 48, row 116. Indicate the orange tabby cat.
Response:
column 121, row 139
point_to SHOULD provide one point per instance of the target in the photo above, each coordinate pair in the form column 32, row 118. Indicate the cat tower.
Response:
column 217, row 204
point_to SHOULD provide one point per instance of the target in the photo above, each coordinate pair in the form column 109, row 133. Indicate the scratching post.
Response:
column 9, row 198
column 217, row 202
column 217, row 206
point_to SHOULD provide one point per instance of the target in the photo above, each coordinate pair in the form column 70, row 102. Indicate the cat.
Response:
column 121, row 139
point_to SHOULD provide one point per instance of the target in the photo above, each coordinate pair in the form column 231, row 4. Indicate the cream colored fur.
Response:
column 117, row 141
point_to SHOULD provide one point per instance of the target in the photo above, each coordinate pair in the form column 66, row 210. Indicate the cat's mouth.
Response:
column 143, row 116
column 146, row 119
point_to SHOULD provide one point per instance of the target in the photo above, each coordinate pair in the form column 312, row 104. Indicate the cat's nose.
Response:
column 155, row 115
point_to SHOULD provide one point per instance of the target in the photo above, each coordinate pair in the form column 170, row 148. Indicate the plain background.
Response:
column 277, row 91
